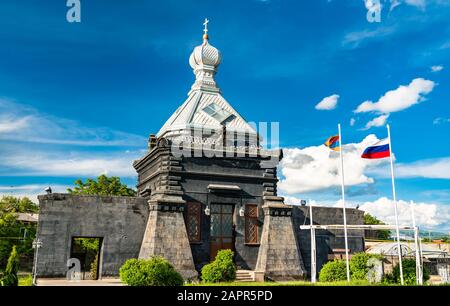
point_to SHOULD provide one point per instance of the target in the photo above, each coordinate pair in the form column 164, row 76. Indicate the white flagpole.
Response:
column 395, row 206
column 313, row 246
column 419, row 279
column 343, row 203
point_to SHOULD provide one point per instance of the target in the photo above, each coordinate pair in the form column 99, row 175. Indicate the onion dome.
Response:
column 204, row 60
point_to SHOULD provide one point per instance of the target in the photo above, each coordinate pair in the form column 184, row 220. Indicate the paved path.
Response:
column 65, row 282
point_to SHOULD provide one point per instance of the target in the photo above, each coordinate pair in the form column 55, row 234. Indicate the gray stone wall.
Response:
column 166, row 236
column 279, row 256
column 327, row 240
column 120, row 221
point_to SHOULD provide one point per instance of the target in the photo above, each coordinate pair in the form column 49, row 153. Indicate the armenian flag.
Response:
column 378, row 150
column 333, row 143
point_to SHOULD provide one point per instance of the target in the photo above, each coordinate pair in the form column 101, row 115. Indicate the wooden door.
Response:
column 221, row 228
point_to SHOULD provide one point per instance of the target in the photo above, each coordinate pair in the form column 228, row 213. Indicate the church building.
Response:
column 205, row 184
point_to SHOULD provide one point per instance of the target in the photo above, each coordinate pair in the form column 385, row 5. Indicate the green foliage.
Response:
column 102, row 186
column 94, row 267
column 88, row 244
column 359, row 265
column 10, row 204
column 26, row 281
column 371, row 220
column 9, row 277
column 222, row 269
column 156, row 271
column 14, row 232
column 333, row 271
column 409, row 273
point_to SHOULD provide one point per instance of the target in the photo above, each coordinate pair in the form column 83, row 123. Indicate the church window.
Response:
column 217, row 112
column 251, row 224
column 193, row 221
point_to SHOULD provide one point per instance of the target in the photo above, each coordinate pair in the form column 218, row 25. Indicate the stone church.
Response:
column 205, row 184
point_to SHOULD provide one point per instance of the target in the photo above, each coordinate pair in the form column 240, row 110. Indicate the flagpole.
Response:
column 313, row 246
column 419, row 277
column 343, row 204
column 399, row 250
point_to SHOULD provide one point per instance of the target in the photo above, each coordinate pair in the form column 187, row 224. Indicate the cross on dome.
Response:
column 206, row 25
column 205, row 30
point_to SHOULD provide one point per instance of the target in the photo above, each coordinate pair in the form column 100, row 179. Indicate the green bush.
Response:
column 94, row 268
column 9, row 277
column 222, row 269
column 156, row 271
column 333, row 271
column 359, row 265
column 409, row 273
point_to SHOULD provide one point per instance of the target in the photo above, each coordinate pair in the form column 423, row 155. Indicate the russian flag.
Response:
column 378, row 150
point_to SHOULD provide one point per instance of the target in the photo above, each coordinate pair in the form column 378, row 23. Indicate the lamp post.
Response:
column 37, row 244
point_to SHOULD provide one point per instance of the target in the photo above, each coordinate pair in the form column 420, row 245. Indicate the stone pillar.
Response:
column 279, row 256
column 166, row 235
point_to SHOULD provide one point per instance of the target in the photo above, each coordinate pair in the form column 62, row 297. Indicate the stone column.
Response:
column 166, row 235
column 279, row 256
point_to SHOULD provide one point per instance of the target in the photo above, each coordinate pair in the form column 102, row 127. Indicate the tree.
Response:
column 371, row 220
column 102, row 186
column 10, row 204
column 10, row 278
column 14, row 232
column 409, row 273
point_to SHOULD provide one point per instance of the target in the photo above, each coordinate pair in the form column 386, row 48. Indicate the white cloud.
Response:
column 355, row 39
column 30, row 191
column 431, row 168
column 428, row 215
column 377, row 121
column 436, row 68
column 68, row 164
column 8, row 125
column 399, row 99
column 352, row 121
column 317, row 167
column 440, row 120
column 416, row 3
column 421, row 4
column 19, row 122
column 328, row 103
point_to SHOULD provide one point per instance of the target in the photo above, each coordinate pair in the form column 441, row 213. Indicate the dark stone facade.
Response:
column 329, row 243
column 154, row 222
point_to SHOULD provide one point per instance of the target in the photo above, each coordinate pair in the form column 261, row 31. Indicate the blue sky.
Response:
column 79, row 99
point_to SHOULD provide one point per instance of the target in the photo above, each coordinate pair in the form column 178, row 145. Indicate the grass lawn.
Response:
column 25, row 280
column 292, row 283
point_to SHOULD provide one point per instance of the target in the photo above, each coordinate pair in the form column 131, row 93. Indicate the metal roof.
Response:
column 204, row 60
column 390, row 248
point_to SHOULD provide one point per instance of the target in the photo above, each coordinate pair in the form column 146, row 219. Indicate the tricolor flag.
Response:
column 333, row 143
column 378, row 150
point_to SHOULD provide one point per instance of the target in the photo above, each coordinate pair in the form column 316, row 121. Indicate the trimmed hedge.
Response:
column 333, row 271
column 222, row 269
column 156, row 271
column 359, row 265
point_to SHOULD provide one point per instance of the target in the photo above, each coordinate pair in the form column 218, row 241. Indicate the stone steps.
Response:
column 244, row 276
